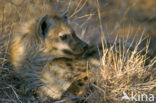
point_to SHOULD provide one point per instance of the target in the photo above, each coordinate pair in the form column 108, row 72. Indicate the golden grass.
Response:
column 125, row 70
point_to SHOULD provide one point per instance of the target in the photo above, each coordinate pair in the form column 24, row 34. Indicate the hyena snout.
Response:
column 80, row 47
column 85, row 46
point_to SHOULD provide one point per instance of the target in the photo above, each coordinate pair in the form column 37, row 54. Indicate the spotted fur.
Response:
column 44, row 52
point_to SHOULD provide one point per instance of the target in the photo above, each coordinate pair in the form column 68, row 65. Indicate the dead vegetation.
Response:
column 121, row 70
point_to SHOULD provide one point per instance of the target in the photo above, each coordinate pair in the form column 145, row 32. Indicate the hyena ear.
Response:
column 65, row 16
column 43, row 26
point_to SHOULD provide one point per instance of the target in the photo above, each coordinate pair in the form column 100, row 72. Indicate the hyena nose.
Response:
column 85, row 46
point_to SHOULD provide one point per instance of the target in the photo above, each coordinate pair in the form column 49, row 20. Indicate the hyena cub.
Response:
column 42, row 51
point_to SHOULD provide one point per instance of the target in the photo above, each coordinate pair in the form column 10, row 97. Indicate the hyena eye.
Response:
column 63, row 37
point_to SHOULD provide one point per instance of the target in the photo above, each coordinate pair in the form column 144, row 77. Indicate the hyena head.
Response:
column 59, row 37
column 44, row 38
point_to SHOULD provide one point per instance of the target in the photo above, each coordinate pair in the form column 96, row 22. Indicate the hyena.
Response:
column 44, row 52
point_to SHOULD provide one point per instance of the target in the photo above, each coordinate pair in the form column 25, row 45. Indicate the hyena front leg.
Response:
column 56, row 78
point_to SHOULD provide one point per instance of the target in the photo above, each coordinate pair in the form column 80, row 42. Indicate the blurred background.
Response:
column 91, row 19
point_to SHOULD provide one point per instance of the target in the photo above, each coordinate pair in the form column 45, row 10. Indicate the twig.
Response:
column 98, row 87
column 79, row 9
column 18, row 98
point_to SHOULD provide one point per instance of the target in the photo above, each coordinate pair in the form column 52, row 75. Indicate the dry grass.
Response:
column 125, row 70
column 122, row 69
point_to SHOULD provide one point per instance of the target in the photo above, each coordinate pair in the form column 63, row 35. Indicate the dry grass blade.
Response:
column 78, row 10
column 103, row 38
column 84, row 16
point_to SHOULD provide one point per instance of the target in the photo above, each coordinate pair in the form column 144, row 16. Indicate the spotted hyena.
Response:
column 44, row 51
